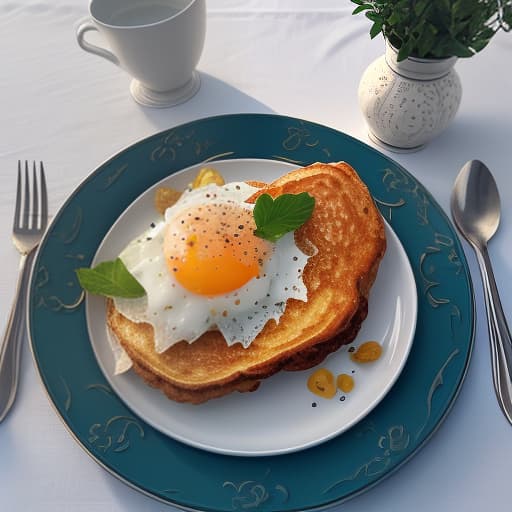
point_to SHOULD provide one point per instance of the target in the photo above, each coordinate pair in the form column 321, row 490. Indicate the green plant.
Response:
column 437, row 28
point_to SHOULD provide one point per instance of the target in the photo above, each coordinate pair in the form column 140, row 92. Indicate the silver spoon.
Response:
column 475, row 205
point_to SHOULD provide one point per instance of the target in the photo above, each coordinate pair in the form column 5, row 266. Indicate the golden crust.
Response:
column 348, row 232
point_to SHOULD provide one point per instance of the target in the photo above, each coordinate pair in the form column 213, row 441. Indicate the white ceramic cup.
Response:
column 158, row 42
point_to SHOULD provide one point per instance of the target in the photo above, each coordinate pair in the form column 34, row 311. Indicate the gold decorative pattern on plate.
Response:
column 455, row 318
column 390, row 206
column 78, row 257
column 112, row 178
column 69, row 235
column 113, row 434
column 436, row 384
column 396, row 180
column 67, row 391
column 441, row 250
column 176, row 141
column 52, row 302
column 300, row 136
column 394, row 441
column 218, row 157
column 250, row 494
column 444, row 246
column 100, row 387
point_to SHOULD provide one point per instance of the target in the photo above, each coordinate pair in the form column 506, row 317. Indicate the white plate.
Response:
column 282, row 415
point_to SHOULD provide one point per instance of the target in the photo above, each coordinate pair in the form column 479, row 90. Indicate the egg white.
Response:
column 178, row 314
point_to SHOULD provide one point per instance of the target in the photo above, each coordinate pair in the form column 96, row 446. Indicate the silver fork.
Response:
column 30, row 220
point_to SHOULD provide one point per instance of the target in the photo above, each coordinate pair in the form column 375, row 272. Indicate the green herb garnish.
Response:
column 276, row 217
column 110, row 278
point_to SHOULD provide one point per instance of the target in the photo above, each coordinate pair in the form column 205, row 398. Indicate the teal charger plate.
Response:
column 192, row 479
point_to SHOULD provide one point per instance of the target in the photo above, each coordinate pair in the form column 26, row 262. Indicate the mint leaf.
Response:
column 276, row 217
column 110, row 278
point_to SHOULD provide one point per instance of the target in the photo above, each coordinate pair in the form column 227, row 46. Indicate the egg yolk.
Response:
column 211, row 249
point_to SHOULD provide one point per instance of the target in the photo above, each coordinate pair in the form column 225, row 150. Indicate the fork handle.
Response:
column 15, row 331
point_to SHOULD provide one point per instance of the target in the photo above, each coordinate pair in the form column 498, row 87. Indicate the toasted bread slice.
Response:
column 348, row 233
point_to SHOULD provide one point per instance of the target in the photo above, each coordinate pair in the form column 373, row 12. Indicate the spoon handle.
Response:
column 499, row 335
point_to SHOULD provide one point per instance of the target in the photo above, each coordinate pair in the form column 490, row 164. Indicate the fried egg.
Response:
column 203, row 268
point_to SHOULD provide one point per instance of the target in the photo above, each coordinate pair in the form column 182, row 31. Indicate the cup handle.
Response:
column 87, row 26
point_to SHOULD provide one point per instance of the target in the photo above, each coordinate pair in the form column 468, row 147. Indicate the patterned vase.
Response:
column 408, row 103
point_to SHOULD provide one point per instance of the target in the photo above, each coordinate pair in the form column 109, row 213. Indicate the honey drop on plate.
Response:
column 322, row 383
column 345, row 383
column 367, row 352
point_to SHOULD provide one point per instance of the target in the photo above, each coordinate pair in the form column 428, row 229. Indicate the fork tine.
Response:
column 35, row 198
column 26, row 200
column 17, row 209
column 44, row 197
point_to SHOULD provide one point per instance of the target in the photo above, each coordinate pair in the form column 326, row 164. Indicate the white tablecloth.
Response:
column 295, row 57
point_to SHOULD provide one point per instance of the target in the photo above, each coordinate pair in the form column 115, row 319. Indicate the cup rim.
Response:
column 143, row 25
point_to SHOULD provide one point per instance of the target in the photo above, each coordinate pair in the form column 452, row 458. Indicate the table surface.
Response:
column 293, row 57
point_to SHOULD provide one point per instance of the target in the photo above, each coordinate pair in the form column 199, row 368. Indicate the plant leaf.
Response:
column 405, row 50
column 376, row 29
column 507, row 18
column 373, row 16
column 276, row 217
column 460, row 50
column 420, row 7
column 361, row 8
column 111, row 279
column 394, row 18
column 479, row 45
column 426, row 40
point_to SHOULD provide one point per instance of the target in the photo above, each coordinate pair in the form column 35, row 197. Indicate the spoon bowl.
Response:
column 475, row 203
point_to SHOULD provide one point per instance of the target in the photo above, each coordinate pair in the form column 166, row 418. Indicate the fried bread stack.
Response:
column 347, row 235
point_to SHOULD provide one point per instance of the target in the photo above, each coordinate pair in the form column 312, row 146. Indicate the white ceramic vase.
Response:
column 408, row 103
